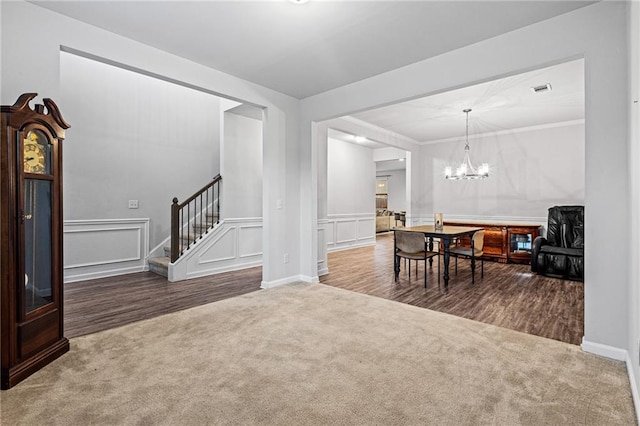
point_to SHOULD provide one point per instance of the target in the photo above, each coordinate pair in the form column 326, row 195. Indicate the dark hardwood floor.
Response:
column 96, row 305
column 508, row 296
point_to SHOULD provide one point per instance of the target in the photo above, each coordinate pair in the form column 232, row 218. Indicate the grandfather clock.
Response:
column 31, row 244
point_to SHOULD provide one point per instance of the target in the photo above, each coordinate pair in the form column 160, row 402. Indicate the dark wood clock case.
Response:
column 31, row 268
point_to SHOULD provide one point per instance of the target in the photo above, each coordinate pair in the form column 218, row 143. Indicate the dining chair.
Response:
column 413, row 246
column 465, row 252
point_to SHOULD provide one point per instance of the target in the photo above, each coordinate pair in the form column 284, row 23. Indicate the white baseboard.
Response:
column 604, row 350
column 634, row 385
column 619, row 355
column 308, row 279
column 283, row 281
column 219, row 270
column 104, row 274
column 323, row 271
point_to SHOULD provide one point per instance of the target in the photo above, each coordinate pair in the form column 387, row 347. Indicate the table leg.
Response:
column 431, row 249
column 473, row 262
column 396, row 260
column 396, row 267
column 446, row 242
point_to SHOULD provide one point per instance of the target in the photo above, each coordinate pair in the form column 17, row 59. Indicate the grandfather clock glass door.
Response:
column 37, row 220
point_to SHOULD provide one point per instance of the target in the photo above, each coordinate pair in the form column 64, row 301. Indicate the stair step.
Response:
column 159, row 265
column 190, row 237
column 202, row 226
column 167, row 249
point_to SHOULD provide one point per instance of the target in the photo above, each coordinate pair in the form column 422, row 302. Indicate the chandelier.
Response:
column 466, row 170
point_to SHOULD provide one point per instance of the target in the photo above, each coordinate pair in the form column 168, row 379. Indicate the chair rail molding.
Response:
column 532, row 220
column 98, row 248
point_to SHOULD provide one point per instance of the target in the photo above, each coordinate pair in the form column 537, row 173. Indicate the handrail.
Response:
column 194, row 214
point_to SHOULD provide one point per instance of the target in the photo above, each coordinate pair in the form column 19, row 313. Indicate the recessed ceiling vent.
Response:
column 542, row 88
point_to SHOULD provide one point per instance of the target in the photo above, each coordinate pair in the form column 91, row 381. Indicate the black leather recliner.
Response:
column 561, row 253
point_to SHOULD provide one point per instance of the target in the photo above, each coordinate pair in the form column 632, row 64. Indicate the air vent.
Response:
column 543, row 88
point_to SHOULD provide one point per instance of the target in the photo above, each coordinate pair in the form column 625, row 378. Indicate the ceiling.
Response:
column 306, row 49
column 499, row 105
column 502, row 104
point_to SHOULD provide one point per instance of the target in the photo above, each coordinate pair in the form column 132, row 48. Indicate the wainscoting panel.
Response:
column 220, row 248
column 330, row 232
column 323, row 267
column 346, row 231
column 234, row 244
column 250, row 240
column 366, row 229
column 104, row 247
column 349, row 230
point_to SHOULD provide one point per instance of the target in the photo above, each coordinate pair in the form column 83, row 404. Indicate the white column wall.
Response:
column 242, row 157
column 351, row 175
column 599, row 34
column 351, row 182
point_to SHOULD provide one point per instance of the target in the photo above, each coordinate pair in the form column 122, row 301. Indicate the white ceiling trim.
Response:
column 507, row 131
column 377, row 129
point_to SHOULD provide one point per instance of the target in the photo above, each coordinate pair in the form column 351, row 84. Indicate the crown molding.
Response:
column 508, row 131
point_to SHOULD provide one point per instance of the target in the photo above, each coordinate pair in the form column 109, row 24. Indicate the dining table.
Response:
column 445, row 234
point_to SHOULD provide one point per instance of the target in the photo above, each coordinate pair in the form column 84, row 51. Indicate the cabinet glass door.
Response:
column 37, row 244
column 520, row 243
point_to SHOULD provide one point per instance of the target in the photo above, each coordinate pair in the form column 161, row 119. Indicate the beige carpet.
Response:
column 311, row 354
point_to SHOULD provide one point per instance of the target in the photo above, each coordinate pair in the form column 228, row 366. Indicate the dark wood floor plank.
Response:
column 101, row 304
column 509, row 296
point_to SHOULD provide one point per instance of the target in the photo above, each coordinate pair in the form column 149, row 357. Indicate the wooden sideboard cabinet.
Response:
column 505, row 242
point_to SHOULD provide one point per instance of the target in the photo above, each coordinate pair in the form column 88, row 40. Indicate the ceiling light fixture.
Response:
column 299, row 1
column 466, row 170
column 360, row 139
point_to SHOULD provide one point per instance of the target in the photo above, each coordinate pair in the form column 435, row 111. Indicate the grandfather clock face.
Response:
column 36, row 153
column 37, row 220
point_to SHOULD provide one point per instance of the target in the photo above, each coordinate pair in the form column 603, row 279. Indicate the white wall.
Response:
column 351, row 178
column 281, row 129
column 242, row 165
column 351, row 182
column 396, row 189
column 387, row 154
column 530, row 171
column 133, row 137
column 599, row 34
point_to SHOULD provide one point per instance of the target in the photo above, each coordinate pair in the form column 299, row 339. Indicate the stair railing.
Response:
column 194, row 217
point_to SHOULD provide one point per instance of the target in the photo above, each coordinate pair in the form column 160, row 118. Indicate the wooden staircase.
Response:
column 191, row 221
